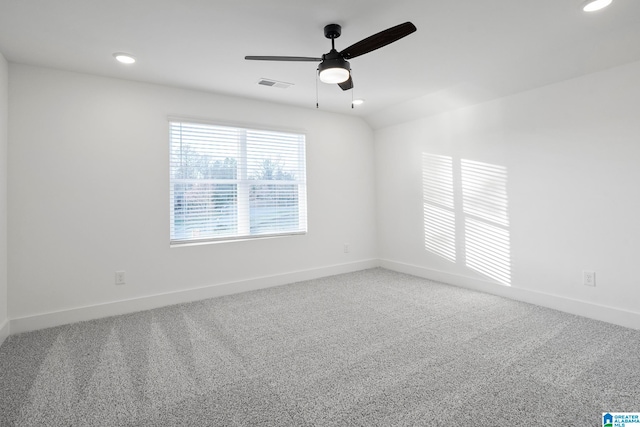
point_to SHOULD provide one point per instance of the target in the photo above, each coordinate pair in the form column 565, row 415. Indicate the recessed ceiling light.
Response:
column 358, row 101
column 124, row 58
column 593, row 5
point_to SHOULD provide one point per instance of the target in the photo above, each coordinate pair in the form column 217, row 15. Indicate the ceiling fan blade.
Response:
column 347, row 84
column 378, row 40
column 283, row 58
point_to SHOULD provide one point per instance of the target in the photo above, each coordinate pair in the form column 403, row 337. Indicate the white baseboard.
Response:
column 616, row 316
column 4, row 331
column 603, row 313
column 47, row 320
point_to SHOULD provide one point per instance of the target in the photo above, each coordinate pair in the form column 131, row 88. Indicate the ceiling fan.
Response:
column 334, row 67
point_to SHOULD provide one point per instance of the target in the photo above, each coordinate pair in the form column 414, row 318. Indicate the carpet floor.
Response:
column 371, row 348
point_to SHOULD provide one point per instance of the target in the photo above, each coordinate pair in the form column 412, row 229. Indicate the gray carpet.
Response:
column 372, row 348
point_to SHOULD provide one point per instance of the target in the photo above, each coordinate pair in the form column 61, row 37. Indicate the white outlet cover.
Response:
column 120, row 279
column 589, row 278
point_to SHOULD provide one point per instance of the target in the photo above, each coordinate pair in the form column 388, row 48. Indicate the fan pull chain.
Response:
column 352, row 98
column 317, row 105
column 352, row 89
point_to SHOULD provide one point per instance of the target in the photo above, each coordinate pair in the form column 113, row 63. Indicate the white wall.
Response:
column 89, row 195
column 571, row 153
column 4, row 105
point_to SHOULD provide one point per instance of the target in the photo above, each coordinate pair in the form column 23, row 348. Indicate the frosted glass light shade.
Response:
column 334, row 75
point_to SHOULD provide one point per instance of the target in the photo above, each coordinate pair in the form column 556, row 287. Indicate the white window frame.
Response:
column 243, row 184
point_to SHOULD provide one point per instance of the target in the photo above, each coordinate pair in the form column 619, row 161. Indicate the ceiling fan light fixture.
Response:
column 334, row 75
column 333, row 71
column 593, row 5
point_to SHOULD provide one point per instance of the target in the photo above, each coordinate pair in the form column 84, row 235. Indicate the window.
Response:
column 231, row 183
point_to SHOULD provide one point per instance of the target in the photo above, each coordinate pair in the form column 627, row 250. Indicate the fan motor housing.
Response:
column 334, row 63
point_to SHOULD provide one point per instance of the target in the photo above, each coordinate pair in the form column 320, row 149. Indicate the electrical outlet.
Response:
column 346, row 248
column 589, row 278
column 120, row 278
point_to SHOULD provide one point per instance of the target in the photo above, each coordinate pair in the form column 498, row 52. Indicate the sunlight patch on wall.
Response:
column 438, row 205
column 487, row 250
column 485, row 205
column 484, row 191
column 466, row 214
column 437, row 179
column 440, row 232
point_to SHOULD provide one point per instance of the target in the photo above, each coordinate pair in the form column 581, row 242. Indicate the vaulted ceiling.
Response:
column 464, row 52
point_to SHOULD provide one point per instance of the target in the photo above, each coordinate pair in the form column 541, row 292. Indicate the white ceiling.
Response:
column 464, row 52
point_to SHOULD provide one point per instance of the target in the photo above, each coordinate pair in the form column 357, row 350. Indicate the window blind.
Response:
column 230, row 183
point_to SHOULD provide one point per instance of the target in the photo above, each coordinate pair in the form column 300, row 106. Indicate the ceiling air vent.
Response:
column 274, row 83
